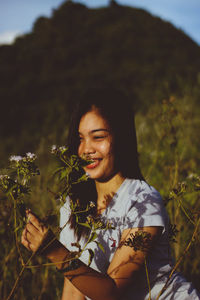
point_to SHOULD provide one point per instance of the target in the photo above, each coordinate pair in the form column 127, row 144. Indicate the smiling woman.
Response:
column 96, row 143
column 102, row 129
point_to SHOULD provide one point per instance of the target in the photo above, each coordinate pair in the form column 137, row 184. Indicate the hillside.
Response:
column 43, row 72
column 41, row 76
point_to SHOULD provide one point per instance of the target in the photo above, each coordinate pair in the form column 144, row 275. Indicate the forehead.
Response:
column 92, row 120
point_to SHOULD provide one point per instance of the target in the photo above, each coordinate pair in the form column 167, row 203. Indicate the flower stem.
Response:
column 18, row 278
column 180, row 259
column 148, row 281
column 15, row 227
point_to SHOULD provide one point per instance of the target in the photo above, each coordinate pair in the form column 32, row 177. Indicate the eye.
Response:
column 99, row 137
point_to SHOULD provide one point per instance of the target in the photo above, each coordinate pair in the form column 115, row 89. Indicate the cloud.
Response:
column 8, row 37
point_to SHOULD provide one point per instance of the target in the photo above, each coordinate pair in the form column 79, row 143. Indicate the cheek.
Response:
column 80, row 151
column 106, row 149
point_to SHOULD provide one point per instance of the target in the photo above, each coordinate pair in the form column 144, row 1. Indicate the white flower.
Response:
column 62, row 148
column 56, row 150
column 4, row 177
column 31, row 156
column 15, row 158
column 53, row 149
column 91, row 204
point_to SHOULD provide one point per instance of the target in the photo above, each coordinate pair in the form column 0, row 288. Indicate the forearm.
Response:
column 89, row 282
column 70, row 292
column 37, row 238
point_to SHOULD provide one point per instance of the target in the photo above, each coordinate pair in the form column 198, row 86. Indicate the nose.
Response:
column 87, row 148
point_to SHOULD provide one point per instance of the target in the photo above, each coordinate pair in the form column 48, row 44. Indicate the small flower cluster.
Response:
column 91, row 204
column 141, row 240
column 178, row 191
column 4, row 182
column 195, row 180
column 30, row 156
column 97, row 223
column 22, row 169
column 17, row 158
column 58, row 149
column 3, row 177
column 173, row 232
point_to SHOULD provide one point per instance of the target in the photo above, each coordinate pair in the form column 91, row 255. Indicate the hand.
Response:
column 34, row 233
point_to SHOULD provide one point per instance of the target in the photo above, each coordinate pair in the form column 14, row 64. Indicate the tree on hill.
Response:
column 79, row 47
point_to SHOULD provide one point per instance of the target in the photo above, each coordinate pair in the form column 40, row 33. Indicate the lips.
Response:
column 94, row 164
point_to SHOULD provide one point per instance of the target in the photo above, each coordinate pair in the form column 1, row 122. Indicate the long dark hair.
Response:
column 115, row 107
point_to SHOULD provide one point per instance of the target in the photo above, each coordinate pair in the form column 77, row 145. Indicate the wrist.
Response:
column 48, row 244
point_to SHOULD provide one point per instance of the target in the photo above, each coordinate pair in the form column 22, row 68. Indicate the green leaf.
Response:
column 58, row 170
column 100, row 246
column 85, row 225
column 64, row 173
column 93, row 237
column 76, row 218
column 17, row 228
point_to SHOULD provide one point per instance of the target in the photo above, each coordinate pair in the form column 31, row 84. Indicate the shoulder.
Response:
column 141, row 192
column 144, row 205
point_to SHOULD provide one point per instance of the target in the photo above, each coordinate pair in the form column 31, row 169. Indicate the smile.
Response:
column 94, row 164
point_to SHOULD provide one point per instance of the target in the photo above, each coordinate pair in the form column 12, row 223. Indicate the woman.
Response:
column 102, row 130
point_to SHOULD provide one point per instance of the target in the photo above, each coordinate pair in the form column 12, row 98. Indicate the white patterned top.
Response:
column 135, row 204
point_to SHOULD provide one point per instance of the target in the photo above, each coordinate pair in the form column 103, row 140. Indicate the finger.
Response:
column 34, row 220
column 33, row 236
column 25, row 242
column 32, row 229
column 23, row 237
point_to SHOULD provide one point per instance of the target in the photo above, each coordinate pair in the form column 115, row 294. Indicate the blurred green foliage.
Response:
column 42, row 75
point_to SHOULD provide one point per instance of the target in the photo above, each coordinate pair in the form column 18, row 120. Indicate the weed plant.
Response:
column 169, row 156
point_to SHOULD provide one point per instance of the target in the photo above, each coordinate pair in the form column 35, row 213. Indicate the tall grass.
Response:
column 169, row 156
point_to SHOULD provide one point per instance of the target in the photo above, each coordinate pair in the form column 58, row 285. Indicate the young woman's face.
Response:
column 96, row 143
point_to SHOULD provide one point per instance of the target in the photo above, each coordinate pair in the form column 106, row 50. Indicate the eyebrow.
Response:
column 96, row 130
column 100, row 129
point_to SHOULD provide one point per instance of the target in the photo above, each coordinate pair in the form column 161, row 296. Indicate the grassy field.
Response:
column 168, row 145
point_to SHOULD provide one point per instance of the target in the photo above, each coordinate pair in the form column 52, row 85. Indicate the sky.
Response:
column 17, row 16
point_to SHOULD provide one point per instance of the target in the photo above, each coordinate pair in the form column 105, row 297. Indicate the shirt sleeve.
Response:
column 145, row 209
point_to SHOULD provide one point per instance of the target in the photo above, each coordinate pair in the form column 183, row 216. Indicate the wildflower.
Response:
column 2, row 177
column 59, row 199
column 114, row 242
column 109, row 225
column 191, row 176
column 62, row 148
column 99, row 225
column 56, row 150
column 91, row 204
column 87, row 174
column 53, row 149
column 31, row 156
column 15, row 158
column 90, row 219
column 4, row 181
column 141, row 240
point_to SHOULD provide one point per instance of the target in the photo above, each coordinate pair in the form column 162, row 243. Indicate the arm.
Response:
column 89, row 282
column 70, row 292
column 127, row 262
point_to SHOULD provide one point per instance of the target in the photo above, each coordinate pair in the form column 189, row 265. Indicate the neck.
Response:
column 109, row 187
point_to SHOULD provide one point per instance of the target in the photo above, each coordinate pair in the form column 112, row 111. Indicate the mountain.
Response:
column 43, row 72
